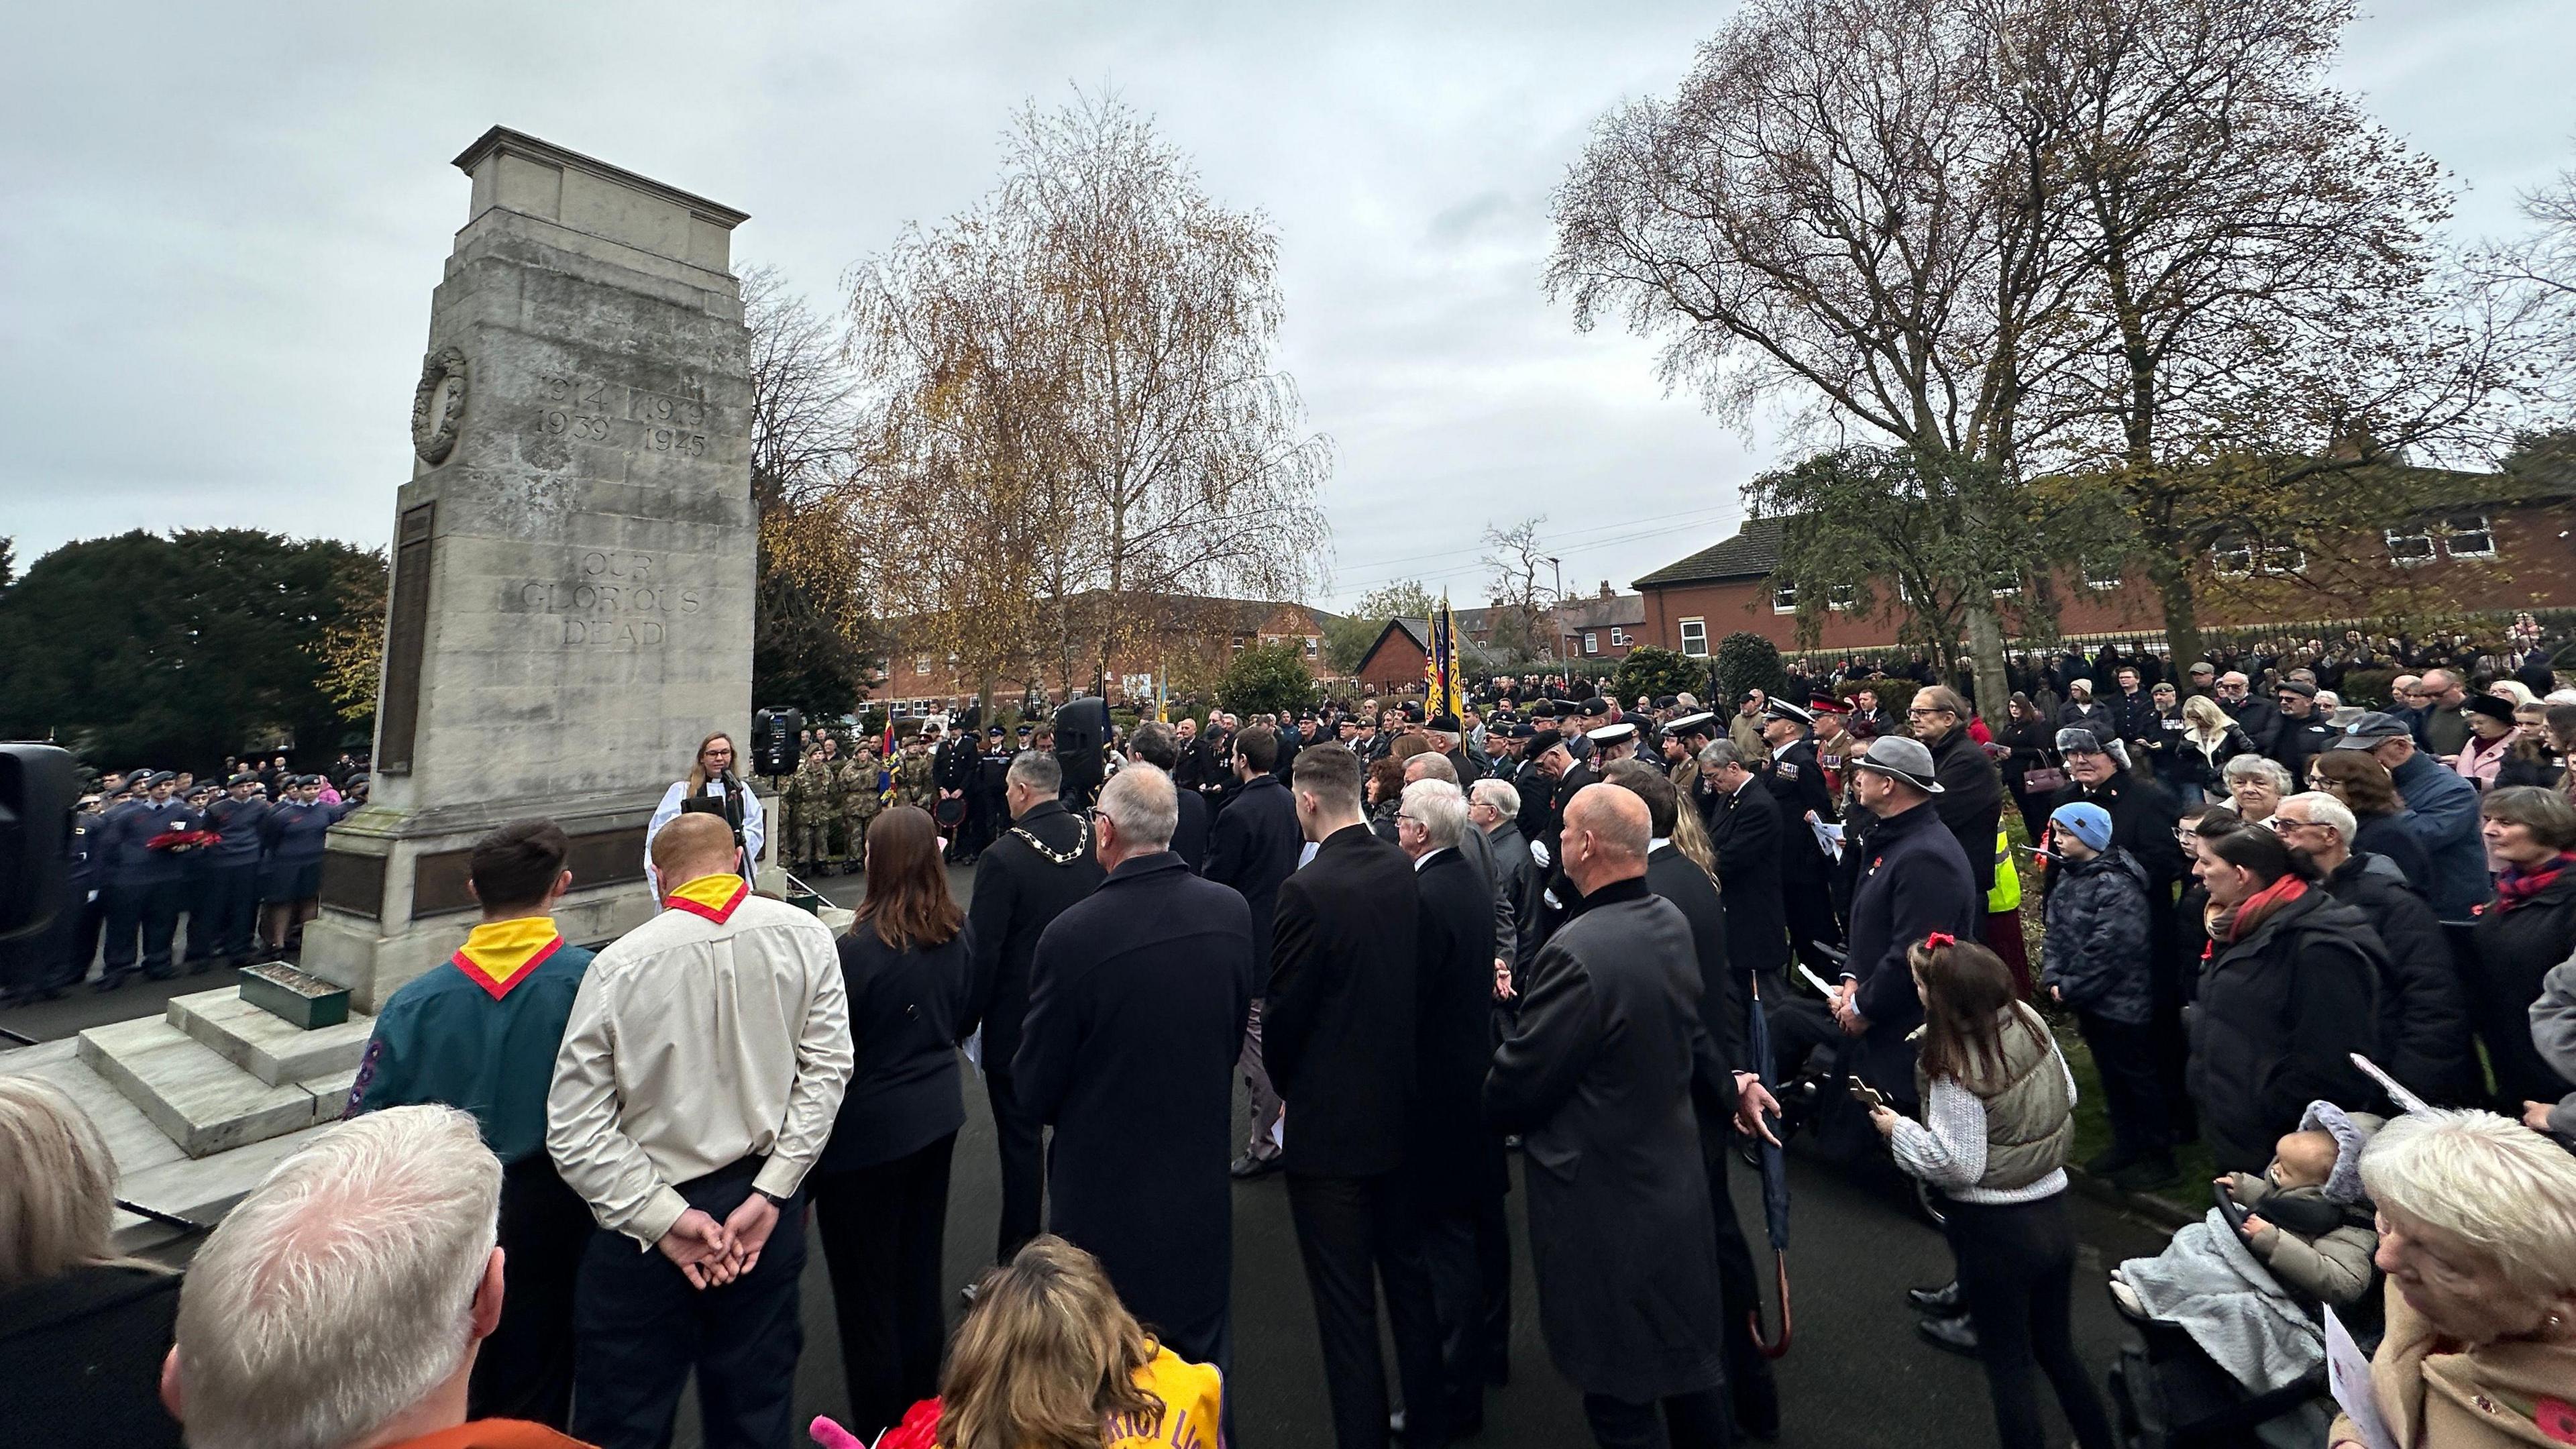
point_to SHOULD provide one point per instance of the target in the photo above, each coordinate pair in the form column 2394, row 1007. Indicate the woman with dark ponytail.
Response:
column 1998, row 1116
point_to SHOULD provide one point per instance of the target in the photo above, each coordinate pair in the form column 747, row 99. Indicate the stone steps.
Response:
column 275, row 1051
column 200, row 1099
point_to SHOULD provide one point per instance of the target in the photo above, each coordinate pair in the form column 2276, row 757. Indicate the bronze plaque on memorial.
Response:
column 398, row 712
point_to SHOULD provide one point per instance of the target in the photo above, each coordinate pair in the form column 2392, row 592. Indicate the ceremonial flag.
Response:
column 1440, row 667
column 885, row 763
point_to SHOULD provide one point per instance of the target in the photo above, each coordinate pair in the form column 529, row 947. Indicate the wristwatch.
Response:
column 775, row 1200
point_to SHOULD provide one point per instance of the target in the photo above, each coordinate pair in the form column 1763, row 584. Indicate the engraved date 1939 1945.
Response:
column 589, row 411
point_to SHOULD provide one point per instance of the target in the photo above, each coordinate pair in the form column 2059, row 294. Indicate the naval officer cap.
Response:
column 1783, row 709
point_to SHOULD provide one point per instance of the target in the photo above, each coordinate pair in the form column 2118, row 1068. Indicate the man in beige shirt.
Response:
column 697, row 1083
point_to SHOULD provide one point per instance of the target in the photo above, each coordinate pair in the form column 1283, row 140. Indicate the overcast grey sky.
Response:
column 223, row 223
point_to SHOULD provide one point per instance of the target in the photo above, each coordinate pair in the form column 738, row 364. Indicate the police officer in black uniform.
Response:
column 1797, row 783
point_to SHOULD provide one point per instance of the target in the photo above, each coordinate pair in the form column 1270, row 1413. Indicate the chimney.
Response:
column 1605, row 589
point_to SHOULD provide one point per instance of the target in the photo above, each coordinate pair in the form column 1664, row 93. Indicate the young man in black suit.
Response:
column 1040, row 865
column 1338, row 1025
column 1253, row 847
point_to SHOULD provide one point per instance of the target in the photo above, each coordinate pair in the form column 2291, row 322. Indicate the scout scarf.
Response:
column 2518, row 885
column 711, row 896
column 498, row 955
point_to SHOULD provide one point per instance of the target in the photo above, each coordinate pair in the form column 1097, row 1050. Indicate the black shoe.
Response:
column 2146, row 1173
column 1247, row 1167
column 1757, row 1404
column 200, row 968
column 1952, row 1335
column 106, row 984
column 1946, row 1301
column 2103, row 1164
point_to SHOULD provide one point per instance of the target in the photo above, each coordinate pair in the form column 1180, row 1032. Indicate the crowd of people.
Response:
column 236, row 855
column 1553, row 921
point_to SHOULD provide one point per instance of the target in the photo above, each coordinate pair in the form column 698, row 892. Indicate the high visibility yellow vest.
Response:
column 2006, row 896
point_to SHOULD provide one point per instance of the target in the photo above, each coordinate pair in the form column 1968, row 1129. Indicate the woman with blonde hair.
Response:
column 2209, row 740
column 712, row 786
column 82, row 1330
column 1048, row 1358
column 2477, row 1233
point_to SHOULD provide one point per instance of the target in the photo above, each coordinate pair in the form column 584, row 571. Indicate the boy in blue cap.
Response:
column 2098, row 961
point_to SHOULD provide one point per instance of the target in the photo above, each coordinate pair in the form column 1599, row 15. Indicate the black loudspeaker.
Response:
column 38, row 791
column 773, row 741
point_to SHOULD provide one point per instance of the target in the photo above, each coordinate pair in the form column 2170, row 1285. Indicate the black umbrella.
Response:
column 1775, row 1189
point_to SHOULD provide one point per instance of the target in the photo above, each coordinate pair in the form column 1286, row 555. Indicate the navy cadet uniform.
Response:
column 1796, row 780
column 146, row 888
column 228, row 901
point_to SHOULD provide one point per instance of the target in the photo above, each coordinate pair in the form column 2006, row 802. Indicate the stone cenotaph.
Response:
column 573, row 558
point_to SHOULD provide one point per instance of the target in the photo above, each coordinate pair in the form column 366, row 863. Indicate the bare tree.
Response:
column 1833, row 217
column 1524, row 625
column 812, row 633
column 2265, row 298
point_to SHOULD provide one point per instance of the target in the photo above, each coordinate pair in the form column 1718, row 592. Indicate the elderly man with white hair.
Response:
column 343, row 1302
column 1137, row 1000
column 2424, row 1033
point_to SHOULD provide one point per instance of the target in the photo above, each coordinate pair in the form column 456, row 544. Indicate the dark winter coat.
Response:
column 1745, row 827
column 1252, row 847
column 1337, row 1023
column 1971, row 802
column 1135, row 1020
column 1914, row 880
column 2423, row 1006
column 87, row 1348
column 2515, row 949
column 1018, row 892
column 1597, row 1078
column 2094, row 716
column 2278, row 1016
column 2099, row 953
column 2443, row 809
column 1453, row 1157
column 2392, row 838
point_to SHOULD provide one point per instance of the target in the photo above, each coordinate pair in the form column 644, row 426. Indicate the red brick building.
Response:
column 2503, row 544
column 1188, row 647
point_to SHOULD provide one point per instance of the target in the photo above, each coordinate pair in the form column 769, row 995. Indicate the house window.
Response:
column 921, row 664
column 2412, row 544
column 1841, row 596
column 1591, row 642
column 2004, row 584
column 2284, row 558
column 2102, row 573
column 2468, row 536
column 1310, row 646
column 1695, row 638
column 1618, row 638
column 1784, row 600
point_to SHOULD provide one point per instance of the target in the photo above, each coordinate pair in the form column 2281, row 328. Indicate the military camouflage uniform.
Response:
column 860, row 800
column 913, row 782
column 809, row 837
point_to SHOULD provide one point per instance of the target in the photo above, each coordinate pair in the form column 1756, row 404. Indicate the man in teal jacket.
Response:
column 479, row 1032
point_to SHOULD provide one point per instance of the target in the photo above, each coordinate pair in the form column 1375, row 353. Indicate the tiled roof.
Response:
column 1753, row 552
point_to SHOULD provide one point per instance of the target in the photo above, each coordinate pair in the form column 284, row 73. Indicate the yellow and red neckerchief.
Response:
column 711, row 896
column 498, row 955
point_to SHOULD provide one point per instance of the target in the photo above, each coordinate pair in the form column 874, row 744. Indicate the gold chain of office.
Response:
column 1081, row 843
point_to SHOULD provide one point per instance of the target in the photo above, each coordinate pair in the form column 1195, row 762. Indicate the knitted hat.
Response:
column 2343, row 1185
column 2087, row 822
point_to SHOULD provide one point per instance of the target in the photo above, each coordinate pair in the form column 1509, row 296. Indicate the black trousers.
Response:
column 2017, row 1272
column 525, row 1368
column 1018, row 1137
column 1694, row 1421
column 1454, row 1255
column 1738, row 1287
column 1355, row 1234
column 2133, row 1091
column 1801, row 1027
column 640, row 1328
column 882, row 1228
column 227, row 911
column 153, row 912
column 1494, row 1266
column 1808, row 903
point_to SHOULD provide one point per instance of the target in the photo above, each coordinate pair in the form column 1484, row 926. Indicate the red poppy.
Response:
column 2555, row 1418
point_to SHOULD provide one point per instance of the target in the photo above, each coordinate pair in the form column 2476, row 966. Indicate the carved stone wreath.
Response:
column 437, row 407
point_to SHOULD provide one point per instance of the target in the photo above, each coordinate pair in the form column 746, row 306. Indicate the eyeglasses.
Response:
column 2284, row 827
column 1923, row 713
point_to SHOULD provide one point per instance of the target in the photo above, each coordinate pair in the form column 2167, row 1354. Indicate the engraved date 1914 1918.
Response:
column 584, row 410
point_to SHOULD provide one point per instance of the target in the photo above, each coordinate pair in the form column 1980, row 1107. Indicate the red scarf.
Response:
column 2518, row 885
column 2262, row 903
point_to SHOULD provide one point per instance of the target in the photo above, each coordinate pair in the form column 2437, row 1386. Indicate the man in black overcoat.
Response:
column 1678, row 879
column 1136, row 1011
column 1453, row 1158
column 1155, row 744
column 1252, row 847
column 1745, row 828
column 1597, row 1077
column 1042, row 864
column 1796, row 781
column 1338, row 1027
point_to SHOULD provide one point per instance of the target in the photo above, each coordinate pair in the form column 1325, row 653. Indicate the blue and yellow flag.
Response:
column 885, row 763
